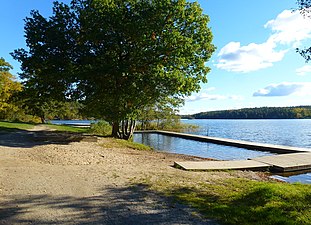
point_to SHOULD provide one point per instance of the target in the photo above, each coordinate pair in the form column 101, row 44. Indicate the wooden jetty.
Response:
column 231, row 142
column 222, row 165
column 276, row 163
column 287, row 162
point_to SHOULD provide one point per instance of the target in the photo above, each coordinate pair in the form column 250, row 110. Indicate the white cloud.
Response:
column 204, row 95
column 302, row 71
column 285, row 89
column 236, row 97
column 252, row 57
column 289, row 28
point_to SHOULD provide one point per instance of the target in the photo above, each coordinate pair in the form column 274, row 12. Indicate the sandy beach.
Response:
column 51, row 179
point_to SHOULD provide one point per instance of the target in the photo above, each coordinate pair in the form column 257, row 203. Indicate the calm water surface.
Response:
column 195, row 148
column 282, row 132
column 302, row 178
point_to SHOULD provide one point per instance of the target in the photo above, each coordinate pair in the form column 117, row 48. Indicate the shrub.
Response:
column 102, row 128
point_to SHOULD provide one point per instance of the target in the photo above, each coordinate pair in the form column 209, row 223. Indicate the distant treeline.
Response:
column 296, row 112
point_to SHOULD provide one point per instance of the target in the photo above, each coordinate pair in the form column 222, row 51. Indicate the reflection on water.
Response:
column 203, row 149
column 301, row 176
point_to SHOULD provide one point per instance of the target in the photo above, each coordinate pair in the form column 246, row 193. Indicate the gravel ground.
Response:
column 47, row 179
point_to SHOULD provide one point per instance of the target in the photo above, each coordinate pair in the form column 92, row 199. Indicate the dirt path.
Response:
column 59, row 182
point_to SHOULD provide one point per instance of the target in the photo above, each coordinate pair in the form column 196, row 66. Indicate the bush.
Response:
column 102, row 128
column 168, row 125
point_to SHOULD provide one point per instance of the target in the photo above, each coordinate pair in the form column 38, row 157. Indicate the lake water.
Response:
column 196, row 148
column 75, row 122
column 291, row 132
column 281, row 132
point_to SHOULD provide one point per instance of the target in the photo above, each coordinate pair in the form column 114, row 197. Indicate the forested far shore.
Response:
column 294, row 112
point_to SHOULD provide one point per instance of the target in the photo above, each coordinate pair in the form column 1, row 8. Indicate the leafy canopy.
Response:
column 8, row 87
column 117, row 57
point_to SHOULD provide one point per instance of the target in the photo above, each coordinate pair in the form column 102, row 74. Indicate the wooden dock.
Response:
column 276, row 163
column 287, row 162
column 222, row 165
column 231, row 142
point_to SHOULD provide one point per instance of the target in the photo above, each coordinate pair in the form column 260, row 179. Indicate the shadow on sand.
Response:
column 131, row 205
column 28, row 139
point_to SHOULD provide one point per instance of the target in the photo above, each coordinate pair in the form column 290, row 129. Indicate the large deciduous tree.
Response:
column 116, row 56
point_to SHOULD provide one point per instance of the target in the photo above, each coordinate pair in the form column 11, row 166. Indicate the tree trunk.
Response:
column 115, row 129
column 43, row 119
column 123, row 130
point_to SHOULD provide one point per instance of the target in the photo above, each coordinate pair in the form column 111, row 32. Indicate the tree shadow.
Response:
column 130, row 205
column 12, row 137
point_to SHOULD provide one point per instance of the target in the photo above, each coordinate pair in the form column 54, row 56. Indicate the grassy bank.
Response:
column 241, row 201
column 65, row 128
column 10, row 126
column 117, row 143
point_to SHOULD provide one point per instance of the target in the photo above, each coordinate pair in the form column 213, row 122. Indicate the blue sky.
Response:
column 255, row 63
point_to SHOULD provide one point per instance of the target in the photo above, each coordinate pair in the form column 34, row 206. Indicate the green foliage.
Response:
column 299, row 112
column 177, row 126
column 61, row 110
column 8, row 88
column 117, row 57
column 20, row 104
column 102, row 128
column 162, row 116
column 239, row 201
column 49, row 109
column 21, row 116
column 169, row 124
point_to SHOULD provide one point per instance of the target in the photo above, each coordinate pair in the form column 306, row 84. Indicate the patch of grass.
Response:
column 241, row 201
column 118, row 143
column 10, row 126
column 65, row 128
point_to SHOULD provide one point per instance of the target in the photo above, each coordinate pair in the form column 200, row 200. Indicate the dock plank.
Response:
column 222, row 165
column 287, row 162
column 280, row 163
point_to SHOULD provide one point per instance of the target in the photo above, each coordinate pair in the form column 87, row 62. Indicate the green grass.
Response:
column 241, row 201
column 65, row 128
column 10, row 126
column 118, row 143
